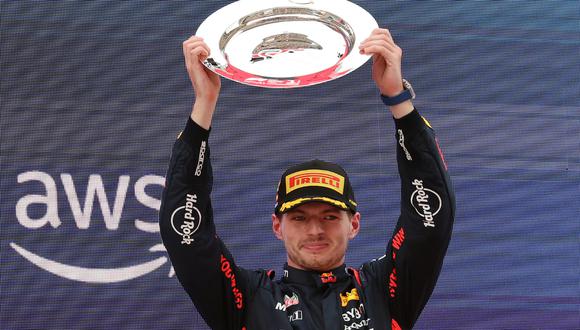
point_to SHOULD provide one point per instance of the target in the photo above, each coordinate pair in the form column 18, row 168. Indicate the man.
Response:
column 315, row 216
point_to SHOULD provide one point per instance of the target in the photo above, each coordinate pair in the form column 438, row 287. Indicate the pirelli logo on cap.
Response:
column 318, row 178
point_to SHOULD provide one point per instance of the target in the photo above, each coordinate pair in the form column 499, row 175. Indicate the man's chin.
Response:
column 319, row 265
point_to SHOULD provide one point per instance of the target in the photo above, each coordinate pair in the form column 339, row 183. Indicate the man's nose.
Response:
column 314, row 227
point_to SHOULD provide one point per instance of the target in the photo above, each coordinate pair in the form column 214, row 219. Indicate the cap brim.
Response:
column 290, row 205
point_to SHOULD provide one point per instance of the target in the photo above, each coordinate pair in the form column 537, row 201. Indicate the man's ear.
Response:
column 277, row 226
column 354, row 226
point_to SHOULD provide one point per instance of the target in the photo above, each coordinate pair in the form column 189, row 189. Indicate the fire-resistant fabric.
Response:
column 385, row 293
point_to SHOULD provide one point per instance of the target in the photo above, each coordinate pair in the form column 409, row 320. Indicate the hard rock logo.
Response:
column 426, row 202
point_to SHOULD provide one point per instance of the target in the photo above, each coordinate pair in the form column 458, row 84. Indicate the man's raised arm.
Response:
column 415, row 252
column 202, row 263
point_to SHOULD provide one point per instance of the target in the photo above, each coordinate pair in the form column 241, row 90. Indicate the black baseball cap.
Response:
column 314, row 181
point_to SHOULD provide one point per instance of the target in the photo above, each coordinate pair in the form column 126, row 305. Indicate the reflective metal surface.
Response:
column 286, row 43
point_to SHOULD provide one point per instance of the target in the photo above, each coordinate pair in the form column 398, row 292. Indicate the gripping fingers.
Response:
column 382, row 32
column 381, row 47
column 380, row 42
column 379, row 37
column 195, row 48
column 199, row 53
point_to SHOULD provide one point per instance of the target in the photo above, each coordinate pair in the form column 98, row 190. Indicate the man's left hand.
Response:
column 387, row 57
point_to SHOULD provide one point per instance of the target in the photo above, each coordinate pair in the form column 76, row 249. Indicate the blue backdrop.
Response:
column 93, row 94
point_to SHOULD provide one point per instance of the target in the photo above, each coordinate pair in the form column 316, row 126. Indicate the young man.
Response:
column 315, row 216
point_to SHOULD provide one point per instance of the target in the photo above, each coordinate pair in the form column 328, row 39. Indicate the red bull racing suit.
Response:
column 385, row 293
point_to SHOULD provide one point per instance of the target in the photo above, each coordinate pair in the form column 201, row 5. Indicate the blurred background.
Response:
column 94, row 93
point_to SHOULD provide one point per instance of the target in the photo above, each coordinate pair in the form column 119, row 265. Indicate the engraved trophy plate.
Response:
column 286, row 43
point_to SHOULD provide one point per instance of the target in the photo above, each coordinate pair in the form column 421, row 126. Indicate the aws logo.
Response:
column 82, row 216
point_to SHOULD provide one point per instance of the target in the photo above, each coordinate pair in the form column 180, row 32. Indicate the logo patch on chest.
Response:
column 348, row 296
column 288, row 301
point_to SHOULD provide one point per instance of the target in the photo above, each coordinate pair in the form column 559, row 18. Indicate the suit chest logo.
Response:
column 288, row 301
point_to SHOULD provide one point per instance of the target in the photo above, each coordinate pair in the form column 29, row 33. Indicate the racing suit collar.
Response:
column 314, row 278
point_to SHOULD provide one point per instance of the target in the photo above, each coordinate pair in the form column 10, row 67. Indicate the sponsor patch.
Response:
column 317, row 178
column 200, row 159
column 291, row 301
column 363, row 324
column 226, row 268
column 348, row 296
column 355, row 318
column 296, row 316
column 328, row 278
column 426, row 202
column 402, row 144
column 288, row 301
column 393, row 283
column 186, row 219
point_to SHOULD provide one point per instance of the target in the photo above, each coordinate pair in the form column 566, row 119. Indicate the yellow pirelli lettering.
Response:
column 318, row 178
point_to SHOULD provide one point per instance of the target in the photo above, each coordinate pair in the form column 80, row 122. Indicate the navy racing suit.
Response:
column 385, row 293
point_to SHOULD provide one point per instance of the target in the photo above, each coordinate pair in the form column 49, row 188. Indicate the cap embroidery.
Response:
column 318, row 178
column 291, row 204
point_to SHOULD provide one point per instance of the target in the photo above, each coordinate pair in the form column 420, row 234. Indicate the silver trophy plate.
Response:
column 286, row 43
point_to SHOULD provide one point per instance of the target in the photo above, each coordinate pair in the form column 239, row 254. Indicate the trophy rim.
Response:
column 340, row 23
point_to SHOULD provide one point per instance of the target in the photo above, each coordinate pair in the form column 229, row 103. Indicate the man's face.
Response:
column 316, row 235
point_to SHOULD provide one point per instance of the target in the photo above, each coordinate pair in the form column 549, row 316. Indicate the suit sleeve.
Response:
column 203, row 265
column 423, row 231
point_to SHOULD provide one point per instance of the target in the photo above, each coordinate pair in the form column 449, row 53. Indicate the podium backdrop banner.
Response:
column 94, row 93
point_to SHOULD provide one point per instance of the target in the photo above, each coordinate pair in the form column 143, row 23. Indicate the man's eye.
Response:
column 330, row 217
column 297, row 218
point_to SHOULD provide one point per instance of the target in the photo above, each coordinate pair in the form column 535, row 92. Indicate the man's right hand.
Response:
column 206, row 83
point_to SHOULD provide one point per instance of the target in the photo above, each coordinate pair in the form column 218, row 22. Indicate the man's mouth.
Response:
column 315, row 246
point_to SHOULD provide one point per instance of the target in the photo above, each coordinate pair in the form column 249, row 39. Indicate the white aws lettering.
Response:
column 95, row 186
column 27, row 214
column 83, row 215
column 50, row 200
column 146, row 200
